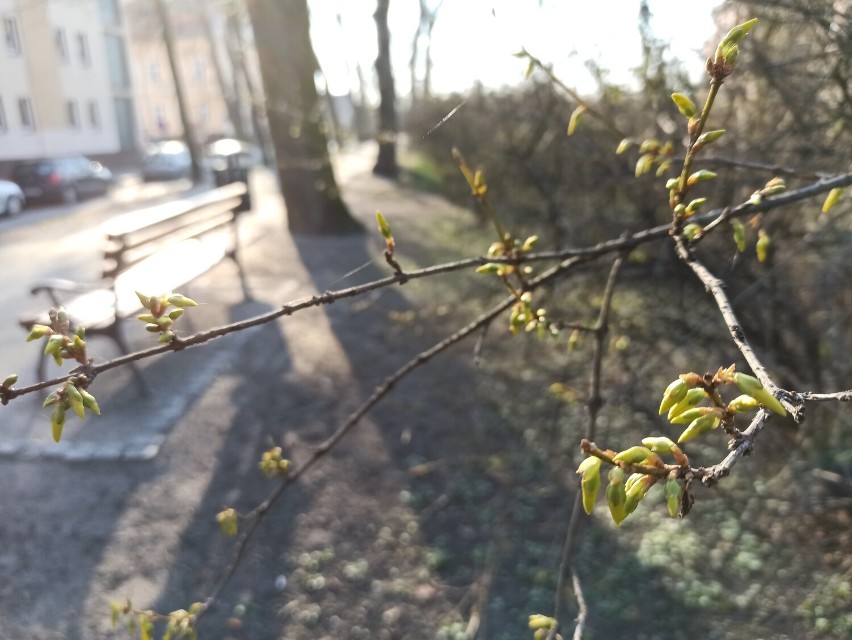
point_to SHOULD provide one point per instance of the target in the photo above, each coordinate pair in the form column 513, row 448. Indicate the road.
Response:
column 63, row 241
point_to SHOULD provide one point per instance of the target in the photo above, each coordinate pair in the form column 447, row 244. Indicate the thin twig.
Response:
column 842, row 396
column 255, row 517
column 582, row 609
column 594, row 404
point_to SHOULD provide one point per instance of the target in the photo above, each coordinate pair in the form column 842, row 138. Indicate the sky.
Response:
column 473, row 40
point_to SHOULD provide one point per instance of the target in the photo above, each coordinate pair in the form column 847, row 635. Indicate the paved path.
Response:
column 275, row 274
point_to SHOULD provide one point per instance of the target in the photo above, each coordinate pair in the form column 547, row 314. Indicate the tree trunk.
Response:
column 386, row 163
column 188, row 129
column 287, row 65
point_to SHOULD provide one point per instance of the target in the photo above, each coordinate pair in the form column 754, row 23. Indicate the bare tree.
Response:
column 386, row 164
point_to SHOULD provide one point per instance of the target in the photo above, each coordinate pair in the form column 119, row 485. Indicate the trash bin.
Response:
column 231, row 160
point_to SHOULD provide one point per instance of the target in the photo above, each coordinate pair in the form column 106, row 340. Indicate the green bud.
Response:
column 228, row 522
column 39, row 331
column 538, row 621
column 692, row 231
column 672, row 183
column 699, row 426
column 54, row 345
column 591, row 482
column 695, row 205
column 623, row 146
column 490, row 268
column 684, row 105
column 165, row 322
column 832, row 199
column 690, row 414
column 80, row 332
column 179, row 300
column 637, row 490
column 739, row 235
column 633, row 455
column 52, row 398
column 615, row 495
column 166, row 337
column 673, row 492
column 62, row 315
column 529, row 243
column 643, row 165
column 680, row 210
column 384, row 227
column 75, row 399
column 175, row 314
column 739, row 32
column 146, row 317
column 709, row 137
column 693, row 397
column 674, row 393
column 702, row 175
column 751, row 386
column 649, row 146
column 152, row 328
column 575, row 119
column 89, row 402
column 742, row 403
column 11, row 379
column 144, row 300
column 57, row 421
column 659, row 444
column 761, row 247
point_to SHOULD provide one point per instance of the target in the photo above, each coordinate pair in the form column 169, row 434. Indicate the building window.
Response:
column 61, row 45
column 94, row 115
column 110, row 12
column 13, row 39
column 4, row 126
column 73, row 114
column 160, row 120
column 25, row 109
column 116, row 58
column 83, row 49
column 154, row 72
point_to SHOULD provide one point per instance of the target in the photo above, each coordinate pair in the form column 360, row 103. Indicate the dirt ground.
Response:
column 355, row 550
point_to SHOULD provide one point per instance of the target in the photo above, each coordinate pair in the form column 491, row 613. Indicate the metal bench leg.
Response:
column 118, row 337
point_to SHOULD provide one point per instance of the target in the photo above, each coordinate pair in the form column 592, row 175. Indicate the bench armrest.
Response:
column 54, row 286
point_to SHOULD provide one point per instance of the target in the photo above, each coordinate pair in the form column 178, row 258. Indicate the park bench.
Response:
column 155, row 250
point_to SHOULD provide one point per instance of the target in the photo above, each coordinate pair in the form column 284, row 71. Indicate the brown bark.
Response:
column 287, row 65
column 386, row 164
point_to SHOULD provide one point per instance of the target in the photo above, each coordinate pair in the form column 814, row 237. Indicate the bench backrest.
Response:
column 135, row 236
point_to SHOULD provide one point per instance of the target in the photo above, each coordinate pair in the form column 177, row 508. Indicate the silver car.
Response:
column 11, row 198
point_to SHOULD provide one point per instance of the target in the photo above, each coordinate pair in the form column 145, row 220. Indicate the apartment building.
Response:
column 65, row 84
column 205, row 69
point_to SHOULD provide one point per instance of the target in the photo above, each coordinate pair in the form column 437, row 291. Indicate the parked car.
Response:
column 166, row 160
column 64, row 179
column 11, row 198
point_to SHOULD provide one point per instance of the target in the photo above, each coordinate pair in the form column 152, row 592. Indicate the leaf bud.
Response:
column 575, row 119
column 490, row 267
column 616, row 497
column 39, row 331
column 659, row 444
column 692, row 231
column 153, row 328
column 633, row 455
column 384, row 227
column 703, row 175
column 62, row 315
column 699, row 426
column 691, row 414
column 228, row 520
column 623, row 146
column 11, row 379
column 146, row 317
column 673, row 492
column 674, row 393
column 684, row 105
column 52, row 398
column 751, row 386
column 672, row 183
column 179, row 300
column 832, row 199
column 538, row 621
column 695, row 205
column 739, row 235
column 174, row 314
column 708, row 137
column 590, row 482
column 761, row 247
column 89, row 402
column 693, row 397
column 739, row 32
column 75, row 399
column 742, row 403
column 144, row 300
column 57, row 421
